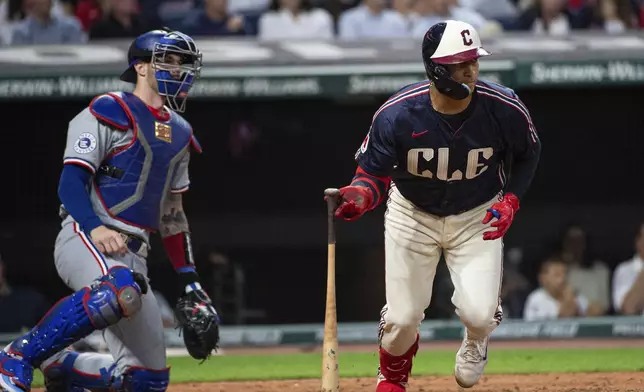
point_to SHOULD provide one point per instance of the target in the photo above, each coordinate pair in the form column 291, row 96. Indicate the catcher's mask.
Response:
column 176, row 62
column 450, row 42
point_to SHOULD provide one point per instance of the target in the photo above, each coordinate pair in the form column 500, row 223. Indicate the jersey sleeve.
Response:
column 524, row 147
column 181, row 178
column 88, row 142
column 377, row 154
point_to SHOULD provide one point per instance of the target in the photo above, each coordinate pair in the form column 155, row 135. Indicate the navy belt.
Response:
column 134, row 244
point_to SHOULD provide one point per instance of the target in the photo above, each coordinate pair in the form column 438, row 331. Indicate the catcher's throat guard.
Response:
column 450, row 42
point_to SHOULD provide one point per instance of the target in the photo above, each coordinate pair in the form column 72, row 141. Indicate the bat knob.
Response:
column 332, row 192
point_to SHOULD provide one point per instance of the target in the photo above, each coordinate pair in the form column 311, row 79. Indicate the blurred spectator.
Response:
column 247, row 6
column 588, row 277
column 213, row 19
column 555, row 298
column 122, row 20
column 371, row 19
column 293, row 19
column 20, row 307
column 42, row 27
column 430, row 12
column 12, row 11
column 492, row 9
column 89, row 12
column 612, row 16
column 628, row 281
column 550, row 17
column 405, row 8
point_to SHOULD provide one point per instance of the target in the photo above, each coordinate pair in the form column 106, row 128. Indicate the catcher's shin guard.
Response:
column 104, row 303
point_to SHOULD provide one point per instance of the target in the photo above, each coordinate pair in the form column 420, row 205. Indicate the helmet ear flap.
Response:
column 438, row 71
column 442, row 79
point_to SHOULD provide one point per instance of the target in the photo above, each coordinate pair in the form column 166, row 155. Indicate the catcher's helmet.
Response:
column 173, row 80
column 450, row 42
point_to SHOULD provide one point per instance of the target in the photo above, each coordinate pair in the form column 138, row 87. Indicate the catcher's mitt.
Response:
column 200, row 324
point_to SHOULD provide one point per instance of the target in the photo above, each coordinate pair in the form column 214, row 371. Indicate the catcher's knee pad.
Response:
column 104, row 303
column 138, row 379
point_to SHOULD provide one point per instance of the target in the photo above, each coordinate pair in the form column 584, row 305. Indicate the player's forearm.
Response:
column 175, row 232
column 173, row 220
column 378, row 185
column 523, row 170
column 73, row 194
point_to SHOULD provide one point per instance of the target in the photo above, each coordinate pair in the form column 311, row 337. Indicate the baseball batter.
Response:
column 125, row 168
column 459, row 154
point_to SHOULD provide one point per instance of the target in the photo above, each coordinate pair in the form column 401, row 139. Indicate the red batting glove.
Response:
column 356, row 200
column 503, row 211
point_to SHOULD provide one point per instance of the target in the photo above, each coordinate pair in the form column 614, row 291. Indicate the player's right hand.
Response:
column 355, row 201
column 108, row 241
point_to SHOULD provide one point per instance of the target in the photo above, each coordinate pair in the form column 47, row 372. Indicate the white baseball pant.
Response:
column 414, row 240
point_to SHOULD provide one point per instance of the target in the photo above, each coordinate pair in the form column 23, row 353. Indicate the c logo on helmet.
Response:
column 467, row 41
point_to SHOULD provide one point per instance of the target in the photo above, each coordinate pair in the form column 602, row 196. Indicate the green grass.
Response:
column 260, row 367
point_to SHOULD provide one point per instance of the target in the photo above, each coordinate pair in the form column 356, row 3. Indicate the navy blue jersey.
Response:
column 446, row 165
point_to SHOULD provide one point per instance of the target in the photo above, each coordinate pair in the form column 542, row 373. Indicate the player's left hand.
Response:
column 503, row 211
column 200, row 323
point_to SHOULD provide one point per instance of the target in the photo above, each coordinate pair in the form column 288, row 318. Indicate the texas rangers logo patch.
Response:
column 163, row 132
column 85, row 143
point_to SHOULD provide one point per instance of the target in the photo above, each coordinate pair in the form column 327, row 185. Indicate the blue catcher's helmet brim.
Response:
column 140, row 50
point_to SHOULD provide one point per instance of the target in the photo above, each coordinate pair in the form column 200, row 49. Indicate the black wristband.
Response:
column 188, row 278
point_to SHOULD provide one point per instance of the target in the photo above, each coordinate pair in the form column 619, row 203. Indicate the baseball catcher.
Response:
column 125, row 170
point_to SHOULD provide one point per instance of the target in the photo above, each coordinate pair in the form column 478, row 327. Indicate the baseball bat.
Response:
column 330, row 373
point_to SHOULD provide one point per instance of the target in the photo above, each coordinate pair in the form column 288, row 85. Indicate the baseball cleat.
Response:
column 16, row 375
column 471, row 359
column 387, row 386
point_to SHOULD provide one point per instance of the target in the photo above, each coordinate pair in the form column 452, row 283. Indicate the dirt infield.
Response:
column 596, row 382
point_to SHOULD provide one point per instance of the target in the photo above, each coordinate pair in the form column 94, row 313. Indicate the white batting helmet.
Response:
column 450, row 42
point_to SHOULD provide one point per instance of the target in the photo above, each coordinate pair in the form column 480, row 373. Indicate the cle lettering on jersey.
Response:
column 444, row 168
